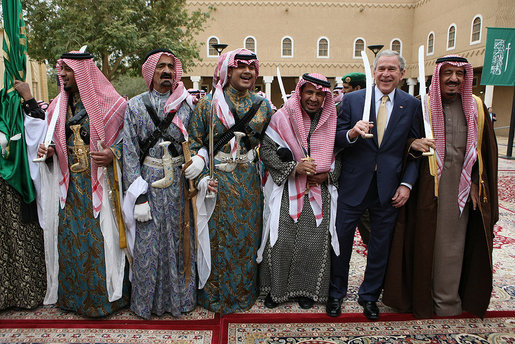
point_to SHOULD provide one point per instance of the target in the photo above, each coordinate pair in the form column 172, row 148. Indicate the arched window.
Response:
column 396, row 45
column 359, row 45
column 475, row 30
column 211, row 52
column 250, row 44
column 451, row 37
column 323, row 47
column 287, row 47
column 431, row 43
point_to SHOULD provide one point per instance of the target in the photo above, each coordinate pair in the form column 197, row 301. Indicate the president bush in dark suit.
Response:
column 373, row 176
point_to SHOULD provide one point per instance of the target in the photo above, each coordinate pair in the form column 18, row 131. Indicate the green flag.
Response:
column 14, row 166
column 499, row 64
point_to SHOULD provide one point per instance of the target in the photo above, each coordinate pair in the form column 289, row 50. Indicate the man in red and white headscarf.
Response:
column 229, row 225
column 300, row 196
column 84, row 261
column 454, row 208
column 163, row 268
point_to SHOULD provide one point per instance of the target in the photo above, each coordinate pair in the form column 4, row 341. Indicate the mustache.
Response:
column 166, row 76
column 454, row 83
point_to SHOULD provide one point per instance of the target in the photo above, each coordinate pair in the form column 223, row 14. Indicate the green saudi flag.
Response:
column 499, row 64
column 14, row 166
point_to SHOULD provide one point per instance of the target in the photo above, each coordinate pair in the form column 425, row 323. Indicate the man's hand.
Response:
column 23, row 89
column 212, row 185
column 317, row 179
column 307, row 167
column 103, row 157
column 195, row 167
column 474, row 195
column 360, row 128
column 142, row 212
column 42, row 150
column 3, row 142
column 423, row 145
column 401, row 196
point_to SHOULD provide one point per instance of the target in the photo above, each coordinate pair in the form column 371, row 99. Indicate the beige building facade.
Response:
column 326, row 37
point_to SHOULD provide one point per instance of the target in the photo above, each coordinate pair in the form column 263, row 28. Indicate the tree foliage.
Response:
column 119, row 33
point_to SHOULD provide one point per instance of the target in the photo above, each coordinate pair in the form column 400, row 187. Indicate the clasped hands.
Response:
column 309, row 168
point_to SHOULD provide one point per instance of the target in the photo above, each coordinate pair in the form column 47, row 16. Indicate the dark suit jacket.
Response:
column 360, row 158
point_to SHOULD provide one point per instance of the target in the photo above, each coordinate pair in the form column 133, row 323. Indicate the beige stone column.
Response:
column 268, row 85
column 195, row 80
column 489, row 95
column 411, row 83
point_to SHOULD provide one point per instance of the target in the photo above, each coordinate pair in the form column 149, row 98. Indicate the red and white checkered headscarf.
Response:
column 220, row 79
column 106, row 110
column 149, row 67
column 178, row 93
column 471, row 115
column 292, row 124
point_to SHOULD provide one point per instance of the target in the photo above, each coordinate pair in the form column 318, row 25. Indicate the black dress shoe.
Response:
column 305, row 302
column 269, row 303
column 333, row 306
column 370, row 309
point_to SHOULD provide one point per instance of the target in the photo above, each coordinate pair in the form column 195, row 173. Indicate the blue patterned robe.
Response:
column 82, row 272
column 157, row 284
column 235, row 226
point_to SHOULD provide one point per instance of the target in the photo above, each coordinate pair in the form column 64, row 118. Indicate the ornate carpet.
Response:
column 288, row 323
column 462, row 331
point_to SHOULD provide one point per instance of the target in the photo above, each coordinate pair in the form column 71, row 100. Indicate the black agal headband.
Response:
column 314, row 80
column 77, row 56
column 155, row 51
column 245, row 57
column 451, row 59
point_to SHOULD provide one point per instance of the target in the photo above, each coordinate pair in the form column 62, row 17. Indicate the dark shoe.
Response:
column 370, row 309
column 333, row 306
column 305, row 302
column 269, row 303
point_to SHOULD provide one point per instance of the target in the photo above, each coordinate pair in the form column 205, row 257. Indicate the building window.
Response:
column 287, row 47
column 451, row 37
column 431, row 43
column 359, row 45
column 250, row 44
column 211, row 52
column 323, row 47
column 396, row 45
column 475, row 30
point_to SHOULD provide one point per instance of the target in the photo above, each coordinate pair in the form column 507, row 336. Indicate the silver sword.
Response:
column 368, row 94
column 423, row 98
column 51, row 129
column 281, row 86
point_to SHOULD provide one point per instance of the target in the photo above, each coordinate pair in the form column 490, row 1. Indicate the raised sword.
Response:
column 423, row 98
column 368, row 93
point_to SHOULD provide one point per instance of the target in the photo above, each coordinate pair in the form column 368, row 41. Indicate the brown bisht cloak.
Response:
column 408, row 281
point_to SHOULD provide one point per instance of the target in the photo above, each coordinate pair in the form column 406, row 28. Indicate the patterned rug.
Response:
column 462, row 331
column 101, row 336
column 288, row 323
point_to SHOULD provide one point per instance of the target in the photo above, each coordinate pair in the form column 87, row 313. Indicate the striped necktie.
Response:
column 382, row 113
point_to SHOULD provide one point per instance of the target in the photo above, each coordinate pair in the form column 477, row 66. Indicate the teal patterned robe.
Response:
column 82, row 273
column 235, row 226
